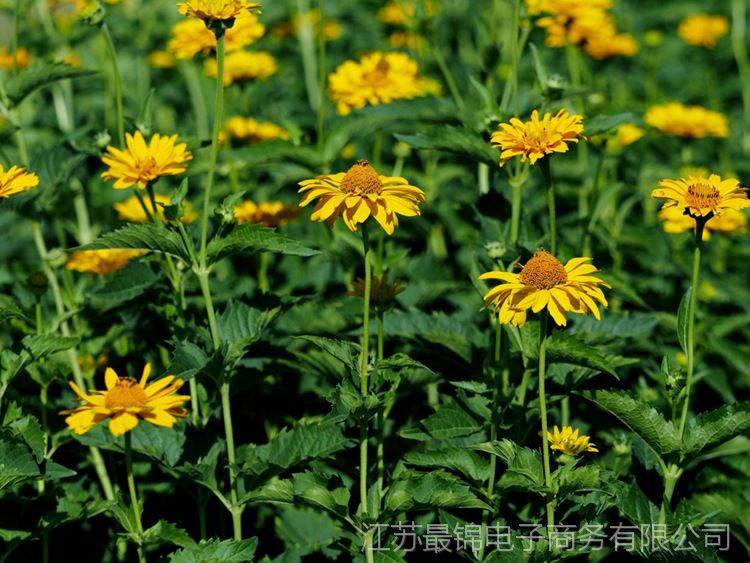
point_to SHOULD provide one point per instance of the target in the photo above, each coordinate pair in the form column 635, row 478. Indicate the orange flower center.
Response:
column 378, row 77
column 361, row 179
column 702, row 195
column 127, row 393
column 148, row 169
column 543, row 271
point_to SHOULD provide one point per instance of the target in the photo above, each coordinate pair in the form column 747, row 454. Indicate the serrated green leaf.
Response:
column 635, row 505
column 525, row 469
column 429, row 491
column 27, row 80
column 459, row 141
column 216, row 551
column 640, row 417
column 465, row 462
column 16, row 464
column 254, row 238
column 605, row 123
column 166, row 532
column 566, row 348
column 151, row 237
column 48, row 344
column 346, row 352
column 450, row 422
column 682, row 320
column 572, row 480
column 716, row 427
column 127, row 284
column 312, row 489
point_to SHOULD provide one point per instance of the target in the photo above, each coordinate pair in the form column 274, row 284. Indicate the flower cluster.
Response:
column 703, row 30
column 252, row 131
column 244, row 65
column 674, row 118
column 378, row 78
column 217, row 10
column 191, row 36
column 589, row 24
column 266, row 213
column 569, row 442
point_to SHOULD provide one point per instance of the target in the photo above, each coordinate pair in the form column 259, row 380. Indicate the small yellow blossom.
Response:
column 703, row 30
column 249, row 130
column 244, row 65
column 22, row 58
column 125, row 401
column 131, row 209
column 217, row 10
column 674, row 118
column 730, row 222
column 101, row 262
column 403, row 12
column 141, row 163
column 266, row 213
column 701, row 197
column 569, row 442
column 16, row 180
column 161, row 59
column 626, row 135
column 190, row 37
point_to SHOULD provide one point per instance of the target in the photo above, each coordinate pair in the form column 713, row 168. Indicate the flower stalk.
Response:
column 133, row 494
column 364, row 384
column 543, row 414
column 547, row 172
column 116, row 83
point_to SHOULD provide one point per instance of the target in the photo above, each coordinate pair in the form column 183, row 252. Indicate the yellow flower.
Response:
column 360, row 193
column 217, row 10
column 252, row 131
column 267, row 213
column 569, row 442
column 403, row 12
column 536, row 139
column 161, row 59
column 141, row 163
column 730, row 222
column 190, row 37
column 605, row 45
column 244, row 65
column 16, row 180
column 674, row 118
column 626, row 135
column 545, row 282
column 101, row 262
column 23, row 59
column 377, row 78
column 703, row 30
column 700, row 197
column 131, row 209
column 125, row 401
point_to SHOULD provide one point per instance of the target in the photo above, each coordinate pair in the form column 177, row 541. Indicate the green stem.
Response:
column 448, row 77
column 263, row 273
column 543, row 414
column 117, row 83
column 672, row 474
column 381, row 413
column 321, row 75
column 134, row 495
column 515, row 217
column 236, row 511
column 363, row 432
column 700, row 224
column 739, row 47
column 14, row 40
column 306, row 38
column 218, row 116
column 544, row 163
column 197, row 100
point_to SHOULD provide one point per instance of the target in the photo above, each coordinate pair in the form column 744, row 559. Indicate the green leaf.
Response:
column 29, row 430
column 459, row 141
column 291, row 447
column 162, row 444
column 429, row 491
column 682, row 320
column 16, row 464
column 634, row 504
column 127, row 284
column 605, row 123
column 572, row 480
column 12, row 364
column 203, row 471
column 716, row 427
column 640, row 417
column 566, row 348
column 27, row 80
column 242, row 325
column 312, row 489
column 151, row 237
column 346, row 352
column 9, row 310
column 254, row 238
column 306, row 528
column 460, row 460
column 48, row 344
column 164, row 531
column 451, row 422
column 525, row 469
column 215, row 551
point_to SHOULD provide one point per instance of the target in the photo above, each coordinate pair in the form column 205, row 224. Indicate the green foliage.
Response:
column 246, row 239
column 25, row 82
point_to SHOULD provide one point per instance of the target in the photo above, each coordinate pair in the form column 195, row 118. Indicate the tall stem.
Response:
column 363, row 431
column 515, row 218
column 197, row 100
column 544, row 163
column 543, row 415
column 739, row 47
column 321, row 75
column 700, row 224
column 306, row 38
column 236, row 511
column 117, row 83
column 218, row 117
column 133, row 494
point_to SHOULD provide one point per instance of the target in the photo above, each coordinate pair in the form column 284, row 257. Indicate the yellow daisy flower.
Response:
column 23, row 59
column 377, row 78
column 730, row 222
column 16, row 180
column 125, row 401
column 131, row 209
column 249, row 130
column 360, row 193
column 141, row 163
column 190, row 37
column 703, row 30
column 537, row 138
column 699, row 197
column 161, row 59
column 545, row 282
column 101, row 262
column 569, row 442
column 267, row 213
column 244, row 65
column 674, row 118
column 605, row 45
column 217, row 10
column 626, row 135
